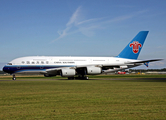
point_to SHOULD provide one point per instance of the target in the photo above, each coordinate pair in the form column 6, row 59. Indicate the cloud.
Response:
column 64, row 33
column 159, row 64
column 89, row 20
column 126, row 17
column 120, row 18
column 88, row 27
column 73, row 19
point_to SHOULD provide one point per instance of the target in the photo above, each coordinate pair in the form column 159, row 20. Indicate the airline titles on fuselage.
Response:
column 42, row 62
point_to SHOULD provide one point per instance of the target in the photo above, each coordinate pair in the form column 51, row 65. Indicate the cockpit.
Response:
column 9, row 64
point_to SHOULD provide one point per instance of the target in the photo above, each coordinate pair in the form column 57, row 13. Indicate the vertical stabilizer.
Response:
column 132, row 50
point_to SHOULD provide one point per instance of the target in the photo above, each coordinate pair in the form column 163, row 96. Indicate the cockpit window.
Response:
column 9, row 64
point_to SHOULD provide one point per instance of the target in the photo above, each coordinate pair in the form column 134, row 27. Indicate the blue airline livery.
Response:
column 80, row 66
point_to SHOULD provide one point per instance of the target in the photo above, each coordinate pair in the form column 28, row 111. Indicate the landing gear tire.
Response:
column 70, row 78
column 14, row 77
column 86, row 78
column 82, row 78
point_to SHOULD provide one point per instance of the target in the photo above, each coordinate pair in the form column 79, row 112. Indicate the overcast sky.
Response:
column 81, row 28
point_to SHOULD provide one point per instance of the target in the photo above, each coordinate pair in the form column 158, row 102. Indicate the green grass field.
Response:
column 101, row 97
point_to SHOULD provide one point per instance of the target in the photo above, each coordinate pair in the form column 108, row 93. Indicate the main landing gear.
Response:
column 79, row 78
column 14, row 77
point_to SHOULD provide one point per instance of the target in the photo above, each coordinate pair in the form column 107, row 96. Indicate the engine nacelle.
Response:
column 68, row 72
column 94, row 70
column 123, row 67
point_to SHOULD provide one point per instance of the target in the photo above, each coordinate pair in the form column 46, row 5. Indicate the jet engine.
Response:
column 94, row 70
column 122, row 67
column 68, row 72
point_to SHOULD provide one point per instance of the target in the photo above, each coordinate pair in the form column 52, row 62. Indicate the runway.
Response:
column 91, row 79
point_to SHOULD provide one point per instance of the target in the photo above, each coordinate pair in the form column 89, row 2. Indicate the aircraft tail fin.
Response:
column 132, row 50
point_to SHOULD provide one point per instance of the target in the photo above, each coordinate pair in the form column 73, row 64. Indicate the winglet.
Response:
column 132, row 50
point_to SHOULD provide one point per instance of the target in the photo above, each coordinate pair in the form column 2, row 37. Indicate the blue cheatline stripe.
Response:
column 30, row 70
column 22, row 68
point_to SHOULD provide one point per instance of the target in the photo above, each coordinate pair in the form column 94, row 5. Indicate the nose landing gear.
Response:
column 14, row 77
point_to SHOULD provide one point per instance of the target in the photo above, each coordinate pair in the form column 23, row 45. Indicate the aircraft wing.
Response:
column 113, row 67
column 144, row 61
column 51, row 72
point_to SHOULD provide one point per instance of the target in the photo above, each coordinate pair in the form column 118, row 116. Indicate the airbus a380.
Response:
column 80, row 66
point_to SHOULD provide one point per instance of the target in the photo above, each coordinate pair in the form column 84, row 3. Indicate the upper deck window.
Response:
column 9, row 64
column 80, row 60
column 98, row 60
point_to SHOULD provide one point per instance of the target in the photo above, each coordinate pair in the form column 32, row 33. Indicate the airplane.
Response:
column 80, row 66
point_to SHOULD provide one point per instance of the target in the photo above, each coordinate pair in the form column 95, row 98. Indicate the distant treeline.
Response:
column 1, row 72
column 147, row 70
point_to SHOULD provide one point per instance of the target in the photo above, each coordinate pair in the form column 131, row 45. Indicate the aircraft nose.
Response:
column 6, row 69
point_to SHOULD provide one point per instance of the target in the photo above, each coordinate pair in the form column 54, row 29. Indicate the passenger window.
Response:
column 42, row 62
column 33, row 62
column 28, row 62
column 23, row 62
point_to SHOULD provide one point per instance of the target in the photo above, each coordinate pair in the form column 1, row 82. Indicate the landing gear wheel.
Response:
column 82, row 77
column 86, row 78
column 70, row 78
column 14, row 77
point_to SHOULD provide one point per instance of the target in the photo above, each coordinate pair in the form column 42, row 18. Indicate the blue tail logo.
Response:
column 132, row 50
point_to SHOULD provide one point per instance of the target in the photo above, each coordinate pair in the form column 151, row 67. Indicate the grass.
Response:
column 7, row 77
column 97, row 98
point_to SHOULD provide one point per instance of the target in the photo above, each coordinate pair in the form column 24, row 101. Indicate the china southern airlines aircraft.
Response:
column 80, row 66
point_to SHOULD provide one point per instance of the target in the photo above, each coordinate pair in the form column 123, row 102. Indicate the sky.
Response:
column 81, row 28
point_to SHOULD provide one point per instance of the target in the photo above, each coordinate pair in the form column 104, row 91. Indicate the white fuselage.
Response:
column 39, row 64
column 73, row 61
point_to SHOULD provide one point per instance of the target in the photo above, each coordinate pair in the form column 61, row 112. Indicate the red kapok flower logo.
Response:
column 135, row 46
